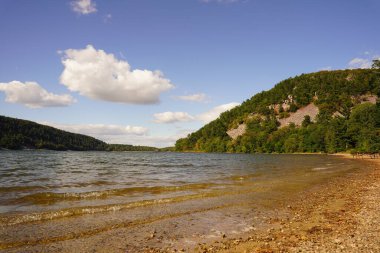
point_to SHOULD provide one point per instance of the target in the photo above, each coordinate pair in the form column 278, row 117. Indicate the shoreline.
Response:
column 342, row 216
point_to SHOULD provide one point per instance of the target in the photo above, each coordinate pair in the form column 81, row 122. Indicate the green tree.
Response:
column 291, row 144
column 331, row 91
column 376, row 64
column 362, row 126
column 306, row 121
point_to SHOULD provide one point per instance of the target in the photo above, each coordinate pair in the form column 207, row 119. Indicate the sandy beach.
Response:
column 340, row 216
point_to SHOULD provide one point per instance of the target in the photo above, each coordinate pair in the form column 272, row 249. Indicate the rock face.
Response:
column 285, row 104
column 371, row 99
column 298, row 116
column 234, row 133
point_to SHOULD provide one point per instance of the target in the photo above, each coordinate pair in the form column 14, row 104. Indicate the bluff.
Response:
column 326, row 111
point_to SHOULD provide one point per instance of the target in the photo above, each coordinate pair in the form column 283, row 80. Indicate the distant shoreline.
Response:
column 186, row 152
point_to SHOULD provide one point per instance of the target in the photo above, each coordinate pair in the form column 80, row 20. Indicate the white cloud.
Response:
column 148, row 140
column 118, row 134
column 83, row 7
column 360, row 63
column 328, row 68
column 172, row 117
column 155, row 140
column 199, row 97
column 98, row 75
column 206, row 117
column 108, row 133
column 32, row 95
column 101, row 129
column 215, row 112
column 363, row 63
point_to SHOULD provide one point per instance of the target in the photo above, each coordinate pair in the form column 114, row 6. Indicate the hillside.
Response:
column 326, row 111
column 20, row 134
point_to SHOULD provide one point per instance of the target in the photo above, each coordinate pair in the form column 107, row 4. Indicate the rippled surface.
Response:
column 48, row 193
column 46, row 180
column 33, row 180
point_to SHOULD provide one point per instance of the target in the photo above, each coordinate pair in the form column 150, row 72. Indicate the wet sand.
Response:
column 338, row 214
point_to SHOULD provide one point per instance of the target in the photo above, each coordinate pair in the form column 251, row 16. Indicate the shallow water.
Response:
column 42, row 186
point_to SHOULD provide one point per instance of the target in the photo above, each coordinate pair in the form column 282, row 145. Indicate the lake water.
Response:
column 44, row 191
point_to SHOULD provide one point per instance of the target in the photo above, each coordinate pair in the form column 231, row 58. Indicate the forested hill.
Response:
column 326, row 111
column 20, row 134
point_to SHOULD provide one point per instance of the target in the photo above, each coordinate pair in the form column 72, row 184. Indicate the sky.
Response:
column 147, row 72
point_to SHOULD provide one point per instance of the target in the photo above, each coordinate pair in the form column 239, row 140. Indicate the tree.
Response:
column 331, row 91
column 362, row 126
column 306, row 121
column 376, row 64
column 291, row 144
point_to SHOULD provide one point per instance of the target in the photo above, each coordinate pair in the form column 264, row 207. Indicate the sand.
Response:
column 341, row 216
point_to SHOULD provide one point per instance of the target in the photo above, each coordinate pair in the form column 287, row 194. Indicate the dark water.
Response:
column 37, row 185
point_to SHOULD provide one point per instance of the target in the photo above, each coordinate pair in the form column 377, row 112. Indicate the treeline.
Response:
column 360, row 132
column 20, row 134
column 125, row 147
column 344, row 122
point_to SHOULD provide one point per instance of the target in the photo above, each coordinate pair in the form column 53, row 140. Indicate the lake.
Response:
column 54, row 201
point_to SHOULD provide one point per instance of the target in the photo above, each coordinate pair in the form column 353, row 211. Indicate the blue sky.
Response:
column 91, row 66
